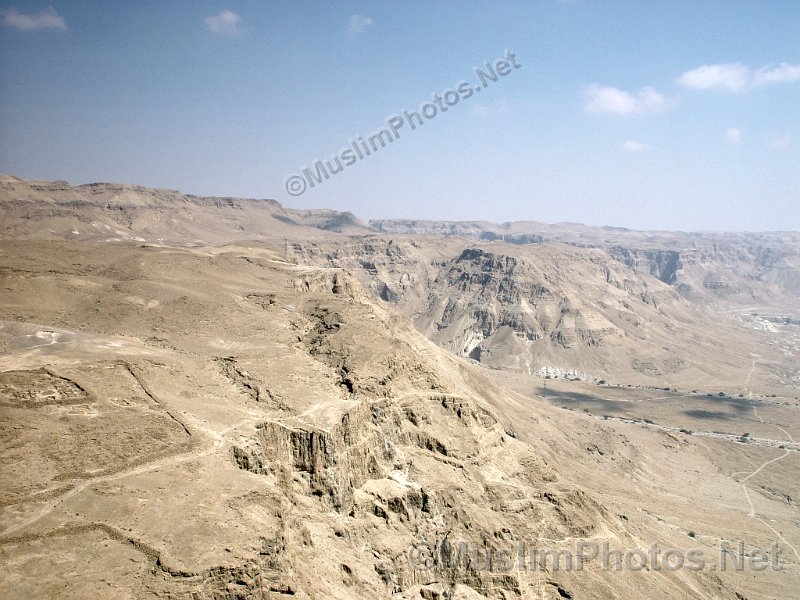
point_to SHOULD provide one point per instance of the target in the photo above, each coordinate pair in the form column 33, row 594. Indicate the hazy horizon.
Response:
column 420, row 220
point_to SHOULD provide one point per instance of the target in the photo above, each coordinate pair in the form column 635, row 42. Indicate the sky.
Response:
column 671, row 115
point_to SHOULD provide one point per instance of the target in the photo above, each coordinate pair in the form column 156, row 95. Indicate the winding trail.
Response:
column 786, row 443
column 769, row 462
column 743, row 482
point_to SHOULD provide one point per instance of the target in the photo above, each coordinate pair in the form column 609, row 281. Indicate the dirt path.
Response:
column 752, row 512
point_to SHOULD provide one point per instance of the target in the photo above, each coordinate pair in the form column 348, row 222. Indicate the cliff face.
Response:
column 543, row 306
column 661, row 264
column 125, row 213
column 505, row 295
column 737, row 269
column 595, row 307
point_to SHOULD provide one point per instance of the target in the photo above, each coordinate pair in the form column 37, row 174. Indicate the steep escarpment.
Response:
column 735, row 268
column 523, row 309
column 505, row 294
column 651, row 310
column 125, row 213
column 662, row 264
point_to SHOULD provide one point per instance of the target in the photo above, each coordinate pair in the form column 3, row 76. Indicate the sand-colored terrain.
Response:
column 219, row 398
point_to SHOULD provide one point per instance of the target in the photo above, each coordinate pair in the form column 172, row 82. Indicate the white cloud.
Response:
column 44, row 19
column 783, row 73
column 730, row 76
column 226, row 23
column 631, row 146
column 359, row 24
column 736, row 77
column 603, row 99
column 734, row 135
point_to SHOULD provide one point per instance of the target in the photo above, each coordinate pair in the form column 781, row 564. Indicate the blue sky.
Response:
column 656, row 115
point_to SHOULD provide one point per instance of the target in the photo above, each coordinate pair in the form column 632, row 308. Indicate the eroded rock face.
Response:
column 336, row 461
column 381, row 459
column 396, row 455
column 661, row 264
column 249, row 460
column 504, row 307
column 584, row 299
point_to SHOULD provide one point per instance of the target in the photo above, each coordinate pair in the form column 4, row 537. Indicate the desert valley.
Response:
column 209, row 397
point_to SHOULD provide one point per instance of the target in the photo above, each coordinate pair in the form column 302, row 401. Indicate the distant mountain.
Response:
column 114, row 212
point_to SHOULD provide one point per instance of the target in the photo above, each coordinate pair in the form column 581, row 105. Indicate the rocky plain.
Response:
column 225, row 398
